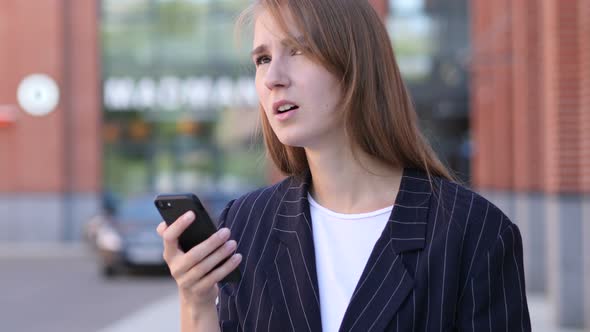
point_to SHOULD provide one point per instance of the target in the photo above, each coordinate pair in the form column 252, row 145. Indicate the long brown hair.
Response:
column 349, row 39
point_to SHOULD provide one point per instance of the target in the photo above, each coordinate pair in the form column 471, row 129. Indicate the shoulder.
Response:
column 255, row 203
column 473, row 223
column 456, row 204
column 467, row 209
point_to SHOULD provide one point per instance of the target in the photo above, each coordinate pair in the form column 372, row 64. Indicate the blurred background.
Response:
column 103, row 104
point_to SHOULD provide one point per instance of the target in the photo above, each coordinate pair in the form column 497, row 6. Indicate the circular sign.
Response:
column 38, row 94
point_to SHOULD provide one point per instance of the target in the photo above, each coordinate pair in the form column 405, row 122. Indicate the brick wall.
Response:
column 584, row 42
column 57, row 38
column 530, row 107
column 85, row 105
column 31, row 150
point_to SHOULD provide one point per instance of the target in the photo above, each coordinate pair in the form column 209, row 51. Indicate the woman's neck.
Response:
column 344, row 184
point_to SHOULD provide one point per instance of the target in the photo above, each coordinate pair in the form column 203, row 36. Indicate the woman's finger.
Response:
column 211, row 261
column 205, row 248
column 198, row 253
column 172, row 232
column 208, row 276
column 221, row 272
column 161, row 228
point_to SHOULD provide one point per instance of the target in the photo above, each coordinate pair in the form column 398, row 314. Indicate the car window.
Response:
column 138, row 210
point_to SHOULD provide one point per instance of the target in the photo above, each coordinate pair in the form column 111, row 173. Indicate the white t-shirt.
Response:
column 343, row 244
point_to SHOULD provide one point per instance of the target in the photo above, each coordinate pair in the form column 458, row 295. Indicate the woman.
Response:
column 368, row 232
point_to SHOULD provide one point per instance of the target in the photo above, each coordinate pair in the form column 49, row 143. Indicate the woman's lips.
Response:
column 283, row 102
column 286, row 115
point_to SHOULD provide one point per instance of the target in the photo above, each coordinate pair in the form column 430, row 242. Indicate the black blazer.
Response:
column 447, row 260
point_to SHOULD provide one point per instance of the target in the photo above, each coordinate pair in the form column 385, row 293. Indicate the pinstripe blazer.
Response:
column 447, row 260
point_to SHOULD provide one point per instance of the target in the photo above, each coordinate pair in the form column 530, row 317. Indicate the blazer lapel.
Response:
column 291, row 271
column 385, row 282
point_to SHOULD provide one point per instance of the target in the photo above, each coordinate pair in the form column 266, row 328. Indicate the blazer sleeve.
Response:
column 226, row 306
column 494, row 298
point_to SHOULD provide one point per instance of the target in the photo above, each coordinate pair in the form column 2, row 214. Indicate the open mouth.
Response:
column 284, row 106
column 287, row 109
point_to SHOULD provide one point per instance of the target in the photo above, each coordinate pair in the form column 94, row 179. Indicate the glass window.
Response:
column 180, row 109
column 431, row 42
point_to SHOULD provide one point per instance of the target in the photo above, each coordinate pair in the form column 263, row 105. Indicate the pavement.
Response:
column 162, row 315
column 542, row 315
column 42, row 250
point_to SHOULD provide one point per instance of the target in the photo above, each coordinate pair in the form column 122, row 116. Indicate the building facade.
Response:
column 50, row 161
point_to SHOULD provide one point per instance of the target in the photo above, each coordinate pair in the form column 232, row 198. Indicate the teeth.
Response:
column 285, row 107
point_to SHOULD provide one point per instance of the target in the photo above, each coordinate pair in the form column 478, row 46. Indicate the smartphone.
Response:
column 172, row 206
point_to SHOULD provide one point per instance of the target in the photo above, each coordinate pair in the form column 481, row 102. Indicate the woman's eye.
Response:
column 261, row 60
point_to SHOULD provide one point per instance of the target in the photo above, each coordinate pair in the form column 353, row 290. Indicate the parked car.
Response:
column 124, row 235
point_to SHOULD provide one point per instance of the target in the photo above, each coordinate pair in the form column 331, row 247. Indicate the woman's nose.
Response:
column 276, row 75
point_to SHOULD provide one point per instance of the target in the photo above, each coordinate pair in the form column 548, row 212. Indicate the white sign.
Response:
column 171, row 93
column 38, row 94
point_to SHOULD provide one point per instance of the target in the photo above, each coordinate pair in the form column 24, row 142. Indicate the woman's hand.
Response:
column 193, row 270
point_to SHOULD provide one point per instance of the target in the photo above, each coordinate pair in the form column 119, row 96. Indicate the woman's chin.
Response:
column 292, row 141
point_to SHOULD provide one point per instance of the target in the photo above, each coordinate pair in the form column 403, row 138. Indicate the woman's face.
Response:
column 287, row 77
